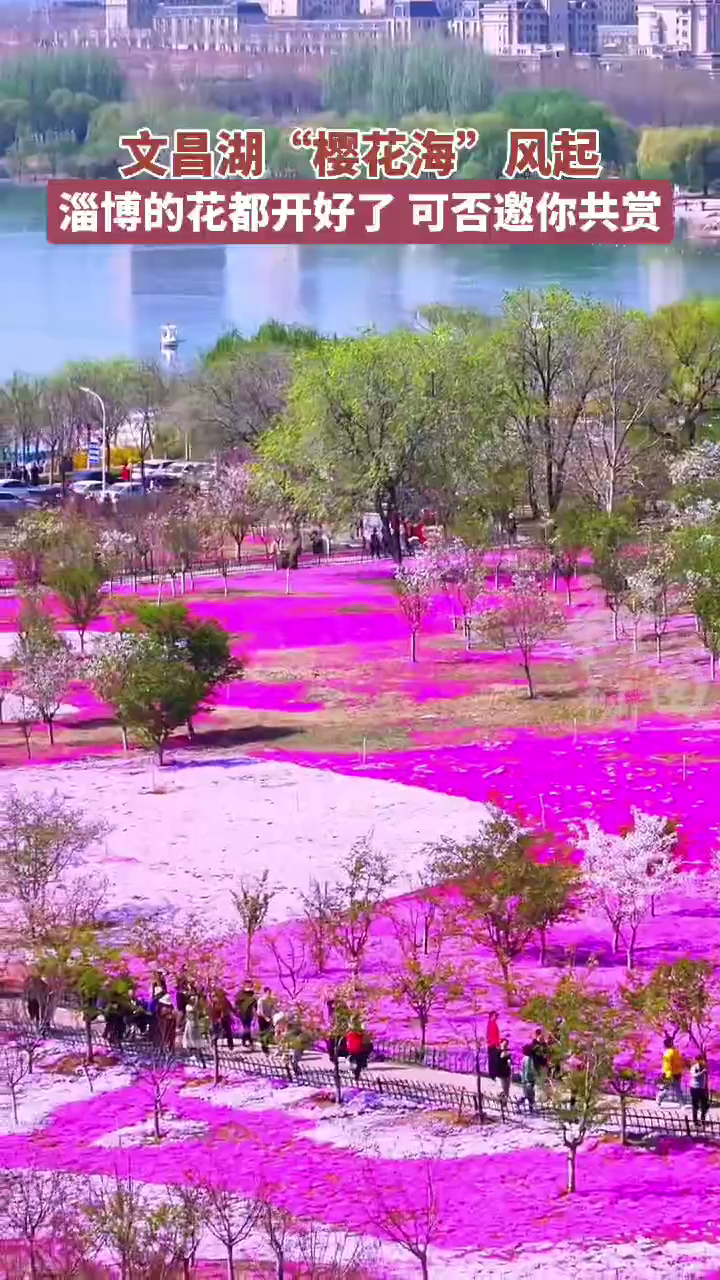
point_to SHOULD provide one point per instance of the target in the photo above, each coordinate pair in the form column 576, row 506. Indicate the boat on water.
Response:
column 169, row 337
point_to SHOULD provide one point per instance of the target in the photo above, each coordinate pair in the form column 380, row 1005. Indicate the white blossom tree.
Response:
column 624, row 874
column 460, row 570
column 697, row 466
column 415, row 584
column 232, row 502
column 43, row 674
column 649, row 587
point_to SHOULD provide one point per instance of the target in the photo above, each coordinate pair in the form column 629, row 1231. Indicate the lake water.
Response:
column 64, row 303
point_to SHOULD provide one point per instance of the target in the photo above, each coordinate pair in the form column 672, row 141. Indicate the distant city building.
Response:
column 526, row 30
column 513, row 27
column 616, row 13
column 619, row 41
column 690, row 30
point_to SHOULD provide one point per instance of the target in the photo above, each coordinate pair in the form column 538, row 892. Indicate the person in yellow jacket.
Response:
column 672, row 1068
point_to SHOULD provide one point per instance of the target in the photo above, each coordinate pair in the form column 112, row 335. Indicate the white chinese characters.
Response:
column 451, row 212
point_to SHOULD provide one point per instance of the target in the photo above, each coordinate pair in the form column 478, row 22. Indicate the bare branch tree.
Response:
column 410, row 1219
column 13, row 1070
column 318, row 910
column 230, row 1218
column 252, row 901
column 357, row 900
column 155, row 1073
column 291, row 962
column 32, row 1205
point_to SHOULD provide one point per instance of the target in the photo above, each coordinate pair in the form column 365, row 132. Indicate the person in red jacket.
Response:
column 492, row 1039
column 359, row 1048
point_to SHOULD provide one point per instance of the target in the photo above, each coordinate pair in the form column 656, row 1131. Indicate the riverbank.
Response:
column 700, row 216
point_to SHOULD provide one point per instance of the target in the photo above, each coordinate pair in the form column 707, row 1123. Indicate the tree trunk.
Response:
column 615, row 624
column 89, row 1040
column 81, row 633
column 51, row 735
column 572, row 1158
column 543, row 946
column 568, row 592
column 423, row 1020
column 623, row 1119
column 478, row 1087
column 337, row 1081
column 161, row 753
column 426, row 935
column 216, row 1058
column 658, row 647
column 616, row 939
column 13, row 1097
column 230, row 1262
column 248, row 952
column 156, row 1116
column 636, row 627
column 528, row 677
column 631, row 949
column 413, row 646
column 423, row 1260
column 124, row 733
column 713, row 663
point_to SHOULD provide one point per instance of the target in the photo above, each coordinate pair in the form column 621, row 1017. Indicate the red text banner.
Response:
column 386, row 212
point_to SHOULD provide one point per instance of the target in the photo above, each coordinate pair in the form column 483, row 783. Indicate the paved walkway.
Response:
column 70, row 1020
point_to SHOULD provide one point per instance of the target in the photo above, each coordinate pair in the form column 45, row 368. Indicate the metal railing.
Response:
column 639, row 1124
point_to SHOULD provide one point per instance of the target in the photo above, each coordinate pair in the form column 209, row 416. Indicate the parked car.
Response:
column 11, row 501
column 126, row 489
column 87, row 488
column 15, row 486
column 164, row 480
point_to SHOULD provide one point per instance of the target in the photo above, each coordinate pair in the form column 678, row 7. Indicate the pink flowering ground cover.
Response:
column 492, row 1202
column 339, row 635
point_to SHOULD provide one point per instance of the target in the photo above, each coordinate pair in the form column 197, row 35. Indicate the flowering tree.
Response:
column 524, row 619
column 697, row 466
column 43, row 665
column 460, row 570
column 33, row 538
column 624, row 874
column 649, row 588
column 116, row 551
column 232, row 502
column 415, row 583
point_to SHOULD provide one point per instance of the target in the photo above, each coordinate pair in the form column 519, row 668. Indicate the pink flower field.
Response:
column 333, row 734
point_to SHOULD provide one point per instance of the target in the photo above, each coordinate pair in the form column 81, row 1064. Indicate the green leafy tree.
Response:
column 550, row 357
column 158, row 693
column 507, row 896
column 204, row 645
column 80, row 589
column 590, row 1032
column 678, row 999
column 689, row 337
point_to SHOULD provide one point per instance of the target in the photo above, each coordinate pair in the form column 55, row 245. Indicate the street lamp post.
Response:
column 89, row 392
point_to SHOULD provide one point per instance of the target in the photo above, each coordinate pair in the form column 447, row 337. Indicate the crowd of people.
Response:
column 542, row 1062
column 193, row 1018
